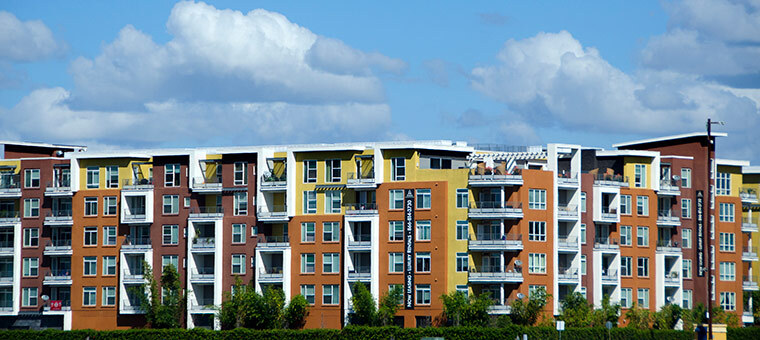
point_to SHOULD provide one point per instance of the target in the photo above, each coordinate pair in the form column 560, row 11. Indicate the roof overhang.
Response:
column 668, row 138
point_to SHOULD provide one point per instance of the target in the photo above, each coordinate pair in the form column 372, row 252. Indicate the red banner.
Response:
column 55, row 304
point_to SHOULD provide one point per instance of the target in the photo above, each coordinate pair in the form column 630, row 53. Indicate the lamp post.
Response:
column 710, row 147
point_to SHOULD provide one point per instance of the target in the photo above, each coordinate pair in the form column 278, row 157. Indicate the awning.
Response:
column 235, row 189
column 328, row 187
column 7, row 167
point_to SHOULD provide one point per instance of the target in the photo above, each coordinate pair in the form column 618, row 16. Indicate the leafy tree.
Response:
column 166, row 312
column 575, row 311
column 608, row 312
column 365, row 310
column 296, row 312
column 638, row 318
column 527, row 313
column 232, row 313
column 249, row 309
column 389, row 305
column 458, row 310
column 667, row 317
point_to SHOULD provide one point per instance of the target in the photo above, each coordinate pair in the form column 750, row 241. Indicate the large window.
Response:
column 29, row 296
column 685, row 178
column 396, row 199
column 238, row 264
column 463, row 198
column 640, row 176
column 685, row 208
column 308, row 231
column 310, row 171
column 330, row 232
column 330, row 263
column 171, row 204
column 109, row 206
column 537, row 263
column 642, row 236
column 626, row 266
column 537, row 199
column 625, row 235
column 423, row 230
column 423, row 198
column 91, row 206
column 89, row 296
column 109, row 236
column 240, row 203
column 723, row 184
column 398, row 169
column 91, row 236
column 726, row 213
column 332, row 202
column 307, row 263
column 625, row 204
column 462, row 262
column 332, row 170
column 93, row 177
column 687, row 299
column 112, row 176
column 537, row 231
column 396, row 230
column 31, row 237
column 463, row 230
column 728, row 301
column 31, row 207
column 308, row 292
column 686, row 264
column 31, row 178
column 728, row 271
column 170, row 260
column 642, row 294
column 626, row 297
column 31, row 266
column 240, row 174
column 238, row 233
column 309, row 202
column 171, row 175
column 330, row 294
column 423, row 294
column 171, row 234
column 642, row 205
column 395, row 262
column 90, row 266
column 423, row 262
column 686, row 238
column 109, row 265
column 109, row 296
column 727, row 242
column 642, row 267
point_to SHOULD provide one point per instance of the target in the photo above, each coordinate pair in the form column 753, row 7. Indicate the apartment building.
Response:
column 77, row 228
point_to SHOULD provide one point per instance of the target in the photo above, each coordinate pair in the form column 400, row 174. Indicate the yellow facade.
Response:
column 629, row 170
column 736, row 178
column 124, row 164
column 347, row 166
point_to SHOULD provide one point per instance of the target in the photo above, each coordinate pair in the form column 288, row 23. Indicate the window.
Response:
column 308, row 231
column 330, row 294
column 687, row 299
column 396, row 199
column 423, row 262
column 537, row 231
column 723, row 184
column 395, row 262
column 401, row 288
column 423, row 230
column 31, row 207
column 726, row 213
column 537, row 263
column 462, row 262
column 727, row 242
column 89, row 295
column 583, row 233
column 109, row 206
column 398, row 168
column 238, row 264
column 109, row 236
column 396, row 230
column 332, row 170
column 31, row 178
column 686, row 238
column 309, row 202
column 642, row 236
column 625, row 235
column 170, row 260
column 330, row 232
column 583, row 264
column 171, row 204
column 240, row 174
column 109, row 296
column 330, row 263
column 240, row 203
column 642, row 205
column 29, row 297
column 728, row 271
column 423, row 294
column 109, row 265
column 643, row 297
column 643, row 267
column 31, row 237
column 686, row 264
column 537, row 199
column 187, row 202
column 464, row 290
column 728, row 301
column 583, row 292
column 626, row 266
column 463, row 198
column 583, row 202
column 171, row 175
column 423, row 198
column 640, row 176
column 685, row 178
column 238, row 233
column 625, row 204
column 308, row 292
column 463, row 230
column 332, row 202
column 90, row 266
column 93, row 177
column 626, row 297
column 91, row 206
column 91, row 236
column 310, row 171
column 31, row 266
column 685, row 208
column 112, row 176
column 307, row 263
column 171, row 234
column 532, row 289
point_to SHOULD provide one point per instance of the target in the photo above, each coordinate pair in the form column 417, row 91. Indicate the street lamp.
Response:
column 710, row 147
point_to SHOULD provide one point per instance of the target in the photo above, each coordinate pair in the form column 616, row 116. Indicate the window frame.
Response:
column 625, row 205
column 642, row 236
column 626, row 235
column 238, row 233
column 90, row 266
column 423, row 230
column 89, row 293
column 109, row 265
column 173, row 234
column 27, row 296
column 422, row 294
column 333, row 260
column 305, row 263
column 393, row 233
column 172, row 177
column 110, row 206
column 331, row 197
column 537, row 231
column 395, row 259
column 537, row 199
column 334, row 232
column 30, row 267
column 92, row 234
column 537, row 263
column 240, row 203
column 305, row 232
column 31, row 237
column 109, row 235
column 90, row 206
column 239, row 169
column 420, row 198
column 106, row 295
column 396, row 199
column 398, row 169
column 422, row 262
column 238, row 260
column 31, row 207
column 31, row 176
column 309, row 168
column 92, row 173
column 173, row 204
column 642, row 266
column 330, row 168
column 111, row 172
column 463, row 198
column 309, row 202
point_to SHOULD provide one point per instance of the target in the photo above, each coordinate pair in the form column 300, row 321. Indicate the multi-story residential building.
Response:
column 78, row 228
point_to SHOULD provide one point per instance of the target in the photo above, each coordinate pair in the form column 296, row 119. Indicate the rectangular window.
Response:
column 463, row 199
column 727, row 242
column 31, row 266
column 642, row 236
column 171, row 175
column 307, row 263
column 238, row 264
column 423, row 230
column 728, row 301
column 308, row 231
column 330, row 294
column 240, row 203
column 583, row 233
column 625, row 235
column 31, row 237
column 423, row 198
column 537, row 231
column 685, row 178
column 109, row 296
column 90, row 266
column 583, row 202
column 687, row 299
column 308, row 292
column 109, row 265
column 685, row 208
column 462, row 262
column 31, row 178
column 643, row 267
column 726, row 213
column 537, row 199
column 93, row 177
column 686, row 264
column 723, row 184
column 461, row 289
column 310, row 171
column 463, row 231
column 171, row 234
column 395, row 262
column 537, row 263
column 31, row 207
column 171, row 204
column 626, row 266
column 89, row 296
column 91, row 206
column 112, row 176
column 398, row 168
column 109, row 206
column 583, row 292
column 29, row 297
column 583, row 264
column 396, row 230
column 238, row 233
column 640, row 176
column 686, row 238
column 642, row 205
column 396, row 199
column 240, row 174
column 423, row 262
column 109, row 236
column 642, row 294
column 91, row 236
column 309, row 202
column 170, row 260
column 330, row 232
column 332, row 202
column 728, row 271
column 422, row 292
column 626, row 297
column 625, row 204
column 332, row 170
column 330, row 263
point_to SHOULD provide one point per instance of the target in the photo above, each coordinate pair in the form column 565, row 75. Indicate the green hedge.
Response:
column 749, row 333
column 370, row 333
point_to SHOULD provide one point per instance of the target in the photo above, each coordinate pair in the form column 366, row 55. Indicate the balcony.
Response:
column 202, row 306
column 137, row 184
column 133, row 214
column 9, row 216
column 568, row 275
column 132, row 276
column 136, row 244
column 611, row 180
column 608, row 215
column 203, row 244
column 610, row 277
column 496, row 242
column 749, row 254
column 567, row 181
column 10, row 186
column 748, row 225
column 130, row 307
column 361, row 181
column 495, row 210
column 360, row 274
column 672, row 279
column 669, row 187
column 495, row 179
column 271, row 182
column 60, row 277
column 748, row 195
column 277, row 213
column 360, row 242
column 361, row 209
column 567, row 243
column 494, row 274
column 65, row 307
column 606, row 244
column 665, row 217
column 271, row 274
column 58, row 247
column 212, row 212
column 567, row 212
column 59, row 217
column 668, row 247
column 207, row 185
column 202, row 275
column 271, row 242
column 6, row 247
column 749, row 283
column 6, row 278
column 62, row 189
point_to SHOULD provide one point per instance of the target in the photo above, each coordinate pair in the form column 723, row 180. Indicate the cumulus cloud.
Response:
column 26, row 41
column 332, row 55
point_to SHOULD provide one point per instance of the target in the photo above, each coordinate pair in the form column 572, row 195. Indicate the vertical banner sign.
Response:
column 409, row 249
column 700, row 234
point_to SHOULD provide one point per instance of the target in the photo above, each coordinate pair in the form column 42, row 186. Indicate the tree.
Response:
column 666, row 317
column 296, row 312
column 637, row 317
column 244, row 307
column 166, row 312
column 527, row 313
column 608, row 312
column 458, row 310
column 232, row 313
column 575, row 311
column 389, row 305
column 363, row 305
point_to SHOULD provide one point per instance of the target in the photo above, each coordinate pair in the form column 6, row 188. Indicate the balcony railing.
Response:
column 355, row 179
column 668, row 246
column 616, row 180
column 567, row 242
column 361, row 209
column 134, row 214
column 749, row 253
column 65, row 306
column 137, row 184
column 749, row 225
column 666, row 217
column 496, row 177
column 496, row 209
column 203, row 273
column 749, row 282
column 567, row 179
column 130, row 306
column 9, row 215
column 133, row 242
column 130, row 274
column 360, row 240
column 207, row 212
column 276, row 212
column 608, row 213
column 203, row 243
column 493, row 241
column 609, row 276
column 748, row 194
column 62, row 187
column 567, row 211
column 272, row 181
column 273, row 241
column 6, row 276
column 10, row 184
column 495, row 274
column 606, row 243
column 58, row 275
column 6, row 246
column 672, row 277
column 669, row 187
column 360, row 272
column 214, row 183
column 59, row 216
column 568, row 273
column 58, row 244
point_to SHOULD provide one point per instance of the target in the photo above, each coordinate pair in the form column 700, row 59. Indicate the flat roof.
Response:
column 751, row 170
column 668, row 138
column 731, row 162
column 628, row 153
column 43, row 145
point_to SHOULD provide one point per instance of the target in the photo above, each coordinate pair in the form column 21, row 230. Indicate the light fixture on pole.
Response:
column 708, row 217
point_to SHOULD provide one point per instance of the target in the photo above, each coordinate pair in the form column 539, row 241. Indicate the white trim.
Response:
column 678, row 157
column 751, row 169
column 667, row 138
column 731, row 162
column 633, row 153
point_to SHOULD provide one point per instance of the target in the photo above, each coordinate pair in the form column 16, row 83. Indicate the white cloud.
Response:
column 332, row 55
column 26, row 41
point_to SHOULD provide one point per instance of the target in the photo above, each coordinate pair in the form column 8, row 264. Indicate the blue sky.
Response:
column 150, row 73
